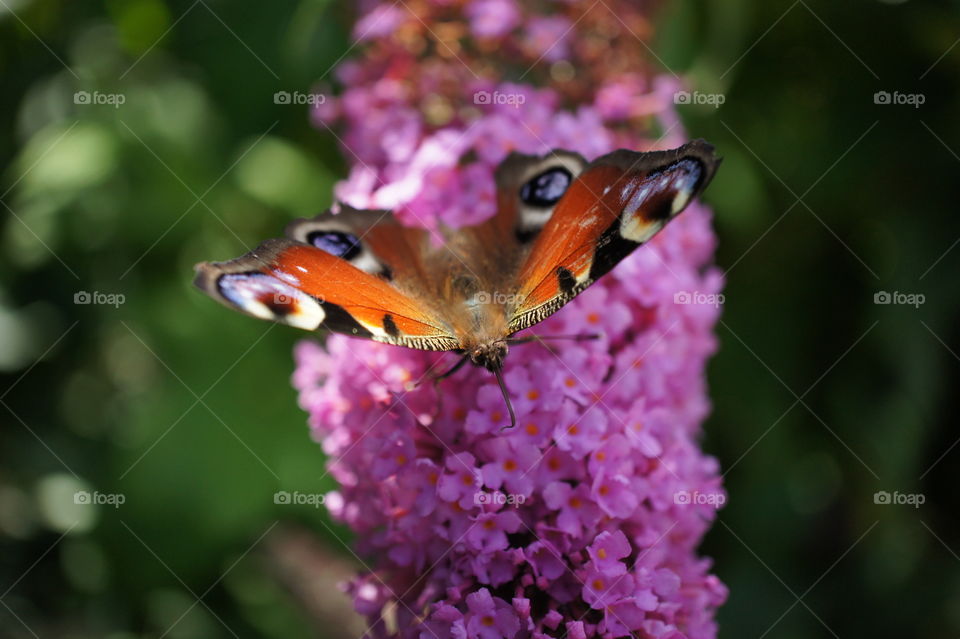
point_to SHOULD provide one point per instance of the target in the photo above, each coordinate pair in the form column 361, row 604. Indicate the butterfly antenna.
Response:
column 506, row 398
column 583, row 337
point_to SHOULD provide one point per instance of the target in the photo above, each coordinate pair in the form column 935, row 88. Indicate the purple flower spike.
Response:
column 584, row 520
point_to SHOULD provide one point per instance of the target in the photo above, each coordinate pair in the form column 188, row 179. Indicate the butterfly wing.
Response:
column 373, row 241
column 618, row 203
column 529, row 187
column 310, row 287
column 561, row 224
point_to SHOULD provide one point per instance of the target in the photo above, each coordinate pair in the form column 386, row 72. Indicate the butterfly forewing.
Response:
column 307, row 287
column 617, row 204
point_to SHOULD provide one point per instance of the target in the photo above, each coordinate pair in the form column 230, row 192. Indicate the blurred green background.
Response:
column 822, row 397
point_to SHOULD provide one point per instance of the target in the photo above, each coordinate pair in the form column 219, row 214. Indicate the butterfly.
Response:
column 561, row 224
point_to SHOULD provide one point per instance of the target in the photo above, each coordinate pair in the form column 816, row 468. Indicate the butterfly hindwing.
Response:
column 371, row 240
column 529, row 188
column 304, row 286
column 617, row 204
column 490, row 254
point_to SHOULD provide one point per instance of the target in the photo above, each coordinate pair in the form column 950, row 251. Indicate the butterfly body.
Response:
column 472, row 301
column 561, row 223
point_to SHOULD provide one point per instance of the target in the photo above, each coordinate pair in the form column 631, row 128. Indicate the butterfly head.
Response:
column 489, row 355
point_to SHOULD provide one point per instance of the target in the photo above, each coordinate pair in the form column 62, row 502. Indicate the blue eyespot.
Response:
column 547, row 188
column 338, row 243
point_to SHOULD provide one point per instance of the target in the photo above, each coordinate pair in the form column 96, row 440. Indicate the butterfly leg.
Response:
column 453, row 369
column 442, row 376
column 436, row 379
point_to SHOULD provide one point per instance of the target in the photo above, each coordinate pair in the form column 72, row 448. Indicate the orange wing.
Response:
column 617, row 204
column 305, row 286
